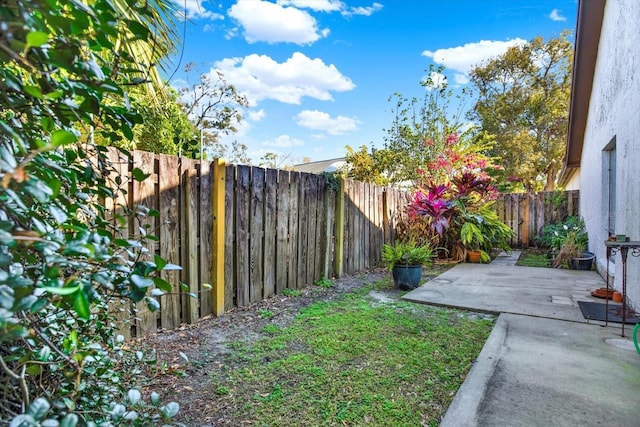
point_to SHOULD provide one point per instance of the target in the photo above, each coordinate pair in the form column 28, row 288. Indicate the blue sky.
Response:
column 318, row 73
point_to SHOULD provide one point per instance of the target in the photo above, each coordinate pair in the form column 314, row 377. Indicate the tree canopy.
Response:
column 420, row 136
column 523, row 100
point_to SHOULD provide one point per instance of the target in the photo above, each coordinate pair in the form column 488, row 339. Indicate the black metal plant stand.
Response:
column 613, row 247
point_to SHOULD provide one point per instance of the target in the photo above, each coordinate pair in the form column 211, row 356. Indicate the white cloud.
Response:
column 283, row 141
column 317, row 5
column 463, row 58
column 256, row 116
column 333, row 6
column 260, row 77
column 195, row 10
column 556, row 15
column 461, row 79
column 319, row 120
column 435, row 80
column 365, row 11
column 263, row 21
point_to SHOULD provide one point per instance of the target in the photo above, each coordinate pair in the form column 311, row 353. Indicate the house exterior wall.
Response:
column 614, row 119
column 573, row 181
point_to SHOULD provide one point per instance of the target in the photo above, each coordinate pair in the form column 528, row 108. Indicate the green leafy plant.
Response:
column 65, row 257
column 288, row 292
column 324, row 283
column 407, row 253
column 264, row 313
column 483, row 231
column 554, row 235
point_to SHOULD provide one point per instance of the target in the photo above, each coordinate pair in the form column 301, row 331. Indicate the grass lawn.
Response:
column 353, row 361
column 534, row 258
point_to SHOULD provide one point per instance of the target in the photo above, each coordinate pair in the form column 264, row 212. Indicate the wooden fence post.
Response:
column 219, row 174
column 339, row 236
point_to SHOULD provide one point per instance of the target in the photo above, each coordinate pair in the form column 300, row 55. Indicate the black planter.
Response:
column 584, row 262
column 407, row 277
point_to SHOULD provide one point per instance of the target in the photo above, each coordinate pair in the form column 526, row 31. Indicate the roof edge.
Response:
column 588, row 28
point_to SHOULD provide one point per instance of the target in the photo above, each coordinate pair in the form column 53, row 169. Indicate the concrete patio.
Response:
column 543, row 363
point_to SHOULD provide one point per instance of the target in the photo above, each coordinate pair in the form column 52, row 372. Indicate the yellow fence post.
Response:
column 219, row 171
column 339, row 235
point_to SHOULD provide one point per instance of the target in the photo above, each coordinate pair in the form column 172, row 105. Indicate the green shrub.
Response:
column 554, row 235
column 64, row 257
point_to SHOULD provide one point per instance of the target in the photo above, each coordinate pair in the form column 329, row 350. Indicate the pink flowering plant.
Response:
column 455, row 195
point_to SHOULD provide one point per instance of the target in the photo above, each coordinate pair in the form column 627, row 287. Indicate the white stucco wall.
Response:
column 573, row 182
column 614, row 111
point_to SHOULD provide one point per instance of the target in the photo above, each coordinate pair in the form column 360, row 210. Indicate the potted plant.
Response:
column 483, row 231
column 473, row 240
column 568, row 241
column 573, row 252
column 405, row 260
column 555, row 235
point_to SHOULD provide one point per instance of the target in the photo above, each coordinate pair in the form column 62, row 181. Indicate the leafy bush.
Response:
column 64, row 258
column 554, row 235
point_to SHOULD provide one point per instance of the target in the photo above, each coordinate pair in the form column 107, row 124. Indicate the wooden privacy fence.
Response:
column 181, row 190
column 528, row 213
column 242, row 234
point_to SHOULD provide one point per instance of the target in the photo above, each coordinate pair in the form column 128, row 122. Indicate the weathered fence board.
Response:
column 122, row 184
column 256, row 230
column 270, row 229
column 169, row 234
column 205, row 237
column 528, row 213
column 242, row 235
column 190, row 262
column 283, row 208
column 230, row 283
column 145, row 193
column 294, row 235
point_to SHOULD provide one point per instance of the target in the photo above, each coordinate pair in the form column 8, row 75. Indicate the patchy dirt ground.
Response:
column 189, row 357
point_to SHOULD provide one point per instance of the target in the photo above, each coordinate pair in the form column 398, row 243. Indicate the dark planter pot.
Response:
column 407, row 277
column 584, row 262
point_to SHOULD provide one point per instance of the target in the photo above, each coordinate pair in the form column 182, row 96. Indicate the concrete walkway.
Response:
column 507, row 258
column 543, row 364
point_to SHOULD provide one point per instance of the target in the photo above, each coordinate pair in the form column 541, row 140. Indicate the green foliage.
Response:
column 407, row 253
column 324, row 283
column 483, row 230
column 417, row 137
column 167, row 129
column 64, row 260
column 368, row 166
column 288, row 292
column 554, row 235
column 523, row 100
column 458, row 214
column 421, row 126
column 567, row 239
column 264, row 313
